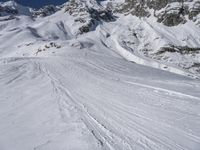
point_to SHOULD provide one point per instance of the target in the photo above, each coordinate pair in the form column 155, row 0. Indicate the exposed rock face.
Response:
column 45, row 11
column 136, row 7
column 179, row 49
column 194, row 11
column 88, row 14
column 8, row 10
column 171, row 18
column 13, row 9
column 168, row 12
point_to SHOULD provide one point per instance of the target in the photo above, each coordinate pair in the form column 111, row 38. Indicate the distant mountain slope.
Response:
column 169, row 12
column 136, row 28
column 38, row 3
column 13, row 8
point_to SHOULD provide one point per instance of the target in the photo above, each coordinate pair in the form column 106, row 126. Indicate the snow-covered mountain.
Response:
column 140, row 35
column 13, row 8
column 91, row 74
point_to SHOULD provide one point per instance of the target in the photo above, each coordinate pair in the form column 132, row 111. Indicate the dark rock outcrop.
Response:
column 87, row 16
column 8, row 10
column 168, row 12
column 45, row 11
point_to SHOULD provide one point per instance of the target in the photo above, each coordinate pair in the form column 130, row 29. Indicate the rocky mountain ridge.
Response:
column 168, row 12
column 158, row 31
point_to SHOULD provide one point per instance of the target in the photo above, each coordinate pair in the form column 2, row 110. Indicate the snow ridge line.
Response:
column 164, row 90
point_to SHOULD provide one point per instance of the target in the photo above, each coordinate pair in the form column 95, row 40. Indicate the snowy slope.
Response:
column 144, row 41
column 88, row 100
column 63, row 89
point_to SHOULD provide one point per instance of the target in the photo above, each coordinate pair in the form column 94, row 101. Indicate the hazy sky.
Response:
column 38, row 3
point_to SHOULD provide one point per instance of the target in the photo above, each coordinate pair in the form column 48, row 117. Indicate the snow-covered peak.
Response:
column 13, row 8
column 12, row 4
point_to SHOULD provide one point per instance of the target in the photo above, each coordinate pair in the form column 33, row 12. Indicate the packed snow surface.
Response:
column 63, row 91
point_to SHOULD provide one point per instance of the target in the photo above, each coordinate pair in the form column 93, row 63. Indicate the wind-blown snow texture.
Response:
column 61, row 88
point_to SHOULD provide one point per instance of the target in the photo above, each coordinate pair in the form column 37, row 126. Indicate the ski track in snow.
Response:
column 165, row 90
column 109, row 139
column 118, row 112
